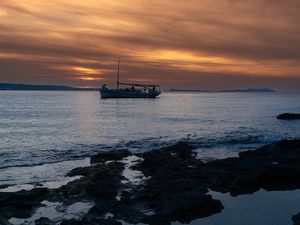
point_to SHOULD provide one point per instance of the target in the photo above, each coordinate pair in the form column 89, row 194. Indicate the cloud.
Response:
column 202, row 43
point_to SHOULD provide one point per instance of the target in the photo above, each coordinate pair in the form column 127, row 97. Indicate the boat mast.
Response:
column 118, row 77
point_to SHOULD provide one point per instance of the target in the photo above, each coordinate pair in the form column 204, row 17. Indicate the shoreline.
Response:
column 160, row 186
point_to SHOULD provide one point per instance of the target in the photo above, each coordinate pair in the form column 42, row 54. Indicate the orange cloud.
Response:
column 84, row 70
column 89, row 78
column 3, row 12
column 69, row 42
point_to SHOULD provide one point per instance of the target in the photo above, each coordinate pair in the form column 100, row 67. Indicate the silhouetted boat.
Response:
column 135, row 90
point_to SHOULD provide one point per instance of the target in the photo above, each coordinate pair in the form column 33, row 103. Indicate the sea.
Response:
column 44, row 134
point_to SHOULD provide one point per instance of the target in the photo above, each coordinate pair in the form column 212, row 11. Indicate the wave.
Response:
column 232, row 141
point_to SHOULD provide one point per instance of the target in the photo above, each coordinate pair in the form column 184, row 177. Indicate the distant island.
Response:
column 249, row 90
column 31, row 87
column 189, row 90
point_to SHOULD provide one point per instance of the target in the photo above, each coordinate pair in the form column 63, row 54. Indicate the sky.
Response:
column 190, row 44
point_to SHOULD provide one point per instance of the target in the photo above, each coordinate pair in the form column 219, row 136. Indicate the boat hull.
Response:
column 107, row 93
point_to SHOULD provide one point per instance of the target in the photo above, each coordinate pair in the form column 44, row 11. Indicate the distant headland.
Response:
column 249, row 90
column 31, row 87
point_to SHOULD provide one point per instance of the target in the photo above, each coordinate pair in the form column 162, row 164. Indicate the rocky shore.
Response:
column 160, row 186
column 289, row 116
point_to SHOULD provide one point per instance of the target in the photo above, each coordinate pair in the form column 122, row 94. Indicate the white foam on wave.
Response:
column 268, row 138
column 55, row 211
column 47, row 175
column 49, row 184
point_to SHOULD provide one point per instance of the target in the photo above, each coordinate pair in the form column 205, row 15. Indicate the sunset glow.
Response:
column 196, row 44
column 85, row 70
column 89, row 78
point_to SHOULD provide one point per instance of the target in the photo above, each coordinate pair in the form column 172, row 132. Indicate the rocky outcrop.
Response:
column 175, row 191
column 21, row 204
column 91, row 222
column 289, row 116
column 272, row 167
column 44, row 221
column 296, row 219
column 109, row 156
column 174, row 184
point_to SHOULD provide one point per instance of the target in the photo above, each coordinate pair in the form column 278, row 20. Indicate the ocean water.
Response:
column 260, row 208
column 56, row 131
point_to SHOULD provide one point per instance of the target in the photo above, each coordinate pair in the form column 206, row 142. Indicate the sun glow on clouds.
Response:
column 3, row 12
column 67, row 42
column 87, row 74
column 89, row 78
column 190, row 61
column 85, row 70
column 182, row 56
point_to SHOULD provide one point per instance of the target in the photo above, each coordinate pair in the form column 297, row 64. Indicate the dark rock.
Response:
column 44, row 221
column 272, row 167
column 177, row 190
column 109, row 156
column 180, row 149
column 170, row 160
column 4, row 186
column 289, row 116
column 4, row 222
column 296, row 219
column 195, row 208
column 21, row 204
column 100, row 184
column 94, row 221
column 72, row 222
column 91, row 221
column 99, row 181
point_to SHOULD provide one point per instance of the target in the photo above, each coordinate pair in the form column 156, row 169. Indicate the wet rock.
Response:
column 110, row 156
column 180, row 149
column 21, row 204
column 289, row 116
column 296, row 219
column 72, row 222
column 272, row 167
column 91, row 222
column 44, row 221
column 4, row 222
column 100, row 181
column 169, row 161
column 4, row 186
column 176, row 187
column 177, row 190
column 100, row 184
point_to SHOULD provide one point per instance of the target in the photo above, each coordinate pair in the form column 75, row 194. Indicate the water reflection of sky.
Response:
column 41, row 127
column 59, row 120
column 260, row 208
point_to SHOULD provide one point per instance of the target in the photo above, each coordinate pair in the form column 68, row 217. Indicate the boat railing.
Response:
column 141, row 88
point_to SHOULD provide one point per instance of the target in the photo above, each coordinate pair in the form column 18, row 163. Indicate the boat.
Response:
column 130, row 90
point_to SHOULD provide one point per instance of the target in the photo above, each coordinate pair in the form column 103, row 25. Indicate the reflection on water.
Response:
column 260, row 208
column 38, row 127
column 50, row 175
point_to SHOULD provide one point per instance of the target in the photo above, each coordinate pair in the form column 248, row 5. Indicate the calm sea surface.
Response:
column 47, row 131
